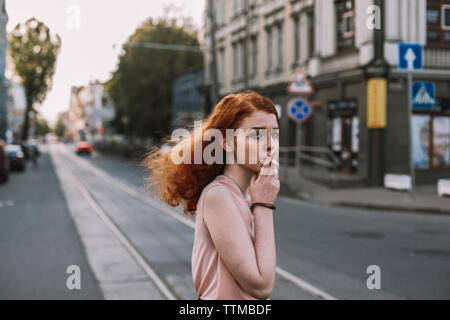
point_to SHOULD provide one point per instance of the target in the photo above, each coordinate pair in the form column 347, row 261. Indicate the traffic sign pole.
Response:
column 299, row 110
column 411, row 161
column 298, row 142
column 410, row 58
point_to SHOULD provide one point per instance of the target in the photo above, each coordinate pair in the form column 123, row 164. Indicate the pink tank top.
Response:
column 212, row 279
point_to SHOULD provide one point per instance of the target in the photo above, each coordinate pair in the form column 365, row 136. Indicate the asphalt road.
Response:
column 332, row 247
column 323, row 247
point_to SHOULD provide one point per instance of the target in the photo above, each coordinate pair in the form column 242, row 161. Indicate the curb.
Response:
column 371, row 206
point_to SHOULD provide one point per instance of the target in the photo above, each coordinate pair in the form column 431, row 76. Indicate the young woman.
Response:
column 234, row 248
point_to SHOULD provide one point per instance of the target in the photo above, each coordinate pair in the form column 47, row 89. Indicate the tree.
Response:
column 34, row 51
column 41, row 126
column 141, row 87
column 60, row 128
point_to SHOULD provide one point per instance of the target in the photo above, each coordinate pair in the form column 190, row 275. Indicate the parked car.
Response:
column 16, row 157
column 33, row 151
column 4, row 163
column 84, row 147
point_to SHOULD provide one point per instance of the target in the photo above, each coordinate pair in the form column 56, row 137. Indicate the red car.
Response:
column 84, row 147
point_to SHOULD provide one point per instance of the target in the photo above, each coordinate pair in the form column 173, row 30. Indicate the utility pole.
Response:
column 214, row 92
column 377, row 69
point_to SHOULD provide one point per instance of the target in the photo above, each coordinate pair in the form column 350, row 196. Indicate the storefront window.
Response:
column 431, row 141
column 420, row 140
column 441, row 142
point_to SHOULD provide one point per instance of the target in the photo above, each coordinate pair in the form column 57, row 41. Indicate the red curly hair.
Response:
column 183, row 183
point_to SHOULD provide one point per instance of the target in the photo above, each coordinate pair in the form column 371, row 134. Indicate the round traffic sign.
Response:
column 299, row 109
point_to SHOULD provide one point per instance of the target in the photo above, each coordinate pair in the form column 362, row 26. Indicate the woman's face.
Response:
column 257, row 139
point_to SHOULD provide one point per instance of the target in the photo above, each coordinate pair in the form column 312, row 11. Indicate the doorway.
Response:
column 345, row 142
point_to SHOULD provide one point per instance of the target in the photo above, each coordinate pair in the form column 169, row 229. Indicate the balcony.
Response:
column 436, row 58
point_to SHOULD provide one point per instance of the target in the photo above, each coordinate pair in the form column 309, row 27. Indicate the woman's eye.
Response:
column 253, row 134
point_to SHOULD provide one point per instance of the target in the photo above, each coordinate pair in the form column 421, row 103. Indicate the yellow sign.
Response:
column 376, row 103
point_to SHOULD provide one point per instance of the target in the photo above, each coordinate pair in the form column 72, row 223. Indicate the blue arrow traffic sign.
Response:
column 410, row 56
column 422, row 95
column 299, row 110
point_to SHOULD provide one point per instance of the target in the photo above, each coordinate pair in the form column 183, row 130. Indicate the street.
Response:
column 93, row 212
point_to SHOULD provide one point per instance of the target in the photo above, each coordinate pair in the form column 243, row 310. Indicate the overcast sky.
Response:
column 87, row 52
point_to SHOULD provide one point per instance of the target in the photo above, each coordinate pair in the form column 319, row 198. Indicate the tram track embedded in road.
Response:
column 149, row 270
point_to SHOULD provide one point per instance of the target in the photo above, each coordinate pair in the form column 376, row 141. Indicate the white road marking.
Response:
column 7, row 203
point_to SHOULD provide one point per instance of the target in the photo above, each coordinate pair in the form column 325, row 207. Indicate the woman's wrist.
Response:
column 261, row 211
column 257, row 204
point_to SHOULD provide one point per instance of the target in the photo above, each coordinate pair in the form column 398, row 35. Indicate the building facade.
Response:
column 16, row 111
column 260, row 44
column 187, row 103
column 89, row 108
column 3, row 80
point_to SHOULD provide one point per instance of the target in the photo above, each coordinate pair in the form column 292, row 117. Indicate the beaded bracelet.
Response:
column 262, row 204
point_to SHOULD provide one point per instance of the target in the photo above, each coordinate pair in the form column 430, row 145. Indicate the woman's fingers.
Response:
column 271, row 166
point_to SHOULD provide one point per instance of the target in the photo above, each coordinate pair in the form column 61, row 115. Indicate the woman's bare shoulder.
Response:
column 218, row 198
column 217, row 191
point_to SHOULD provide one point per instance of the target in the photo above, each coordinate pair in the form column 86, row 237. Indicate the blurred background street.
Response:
column 362, row 92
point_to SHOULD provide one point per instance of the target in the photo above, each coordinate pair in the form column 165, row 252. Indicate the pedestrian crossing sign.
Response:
column 300, row 84
column 423, row 95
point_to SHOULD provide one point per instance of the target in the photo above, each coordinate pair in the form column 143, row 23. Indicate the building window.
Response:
column 219, row 11
column 296, row 39
column 253, row 57
column 269, row 50
column 438, row 23
column 311, row 35
column 238, row 61
column 238, row 7
column 279, row 47
column 446, row 17
column 235, row 62
column 345, row 17
column 241, row 60
column 221, row 66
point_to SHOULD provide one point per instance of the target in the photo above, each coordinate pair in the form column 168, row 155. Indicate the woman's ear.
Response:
column 227, row 145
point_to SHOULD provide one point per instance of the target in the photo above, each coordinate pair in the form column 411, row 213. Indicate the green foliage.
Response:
column 41, row 127
column 60, row 128
column 141, row 87
column 34, row 51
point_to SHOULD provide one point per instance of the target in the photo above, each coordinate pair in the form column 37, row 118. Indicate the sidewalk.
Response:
column 424, row 199
column 38, row 239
